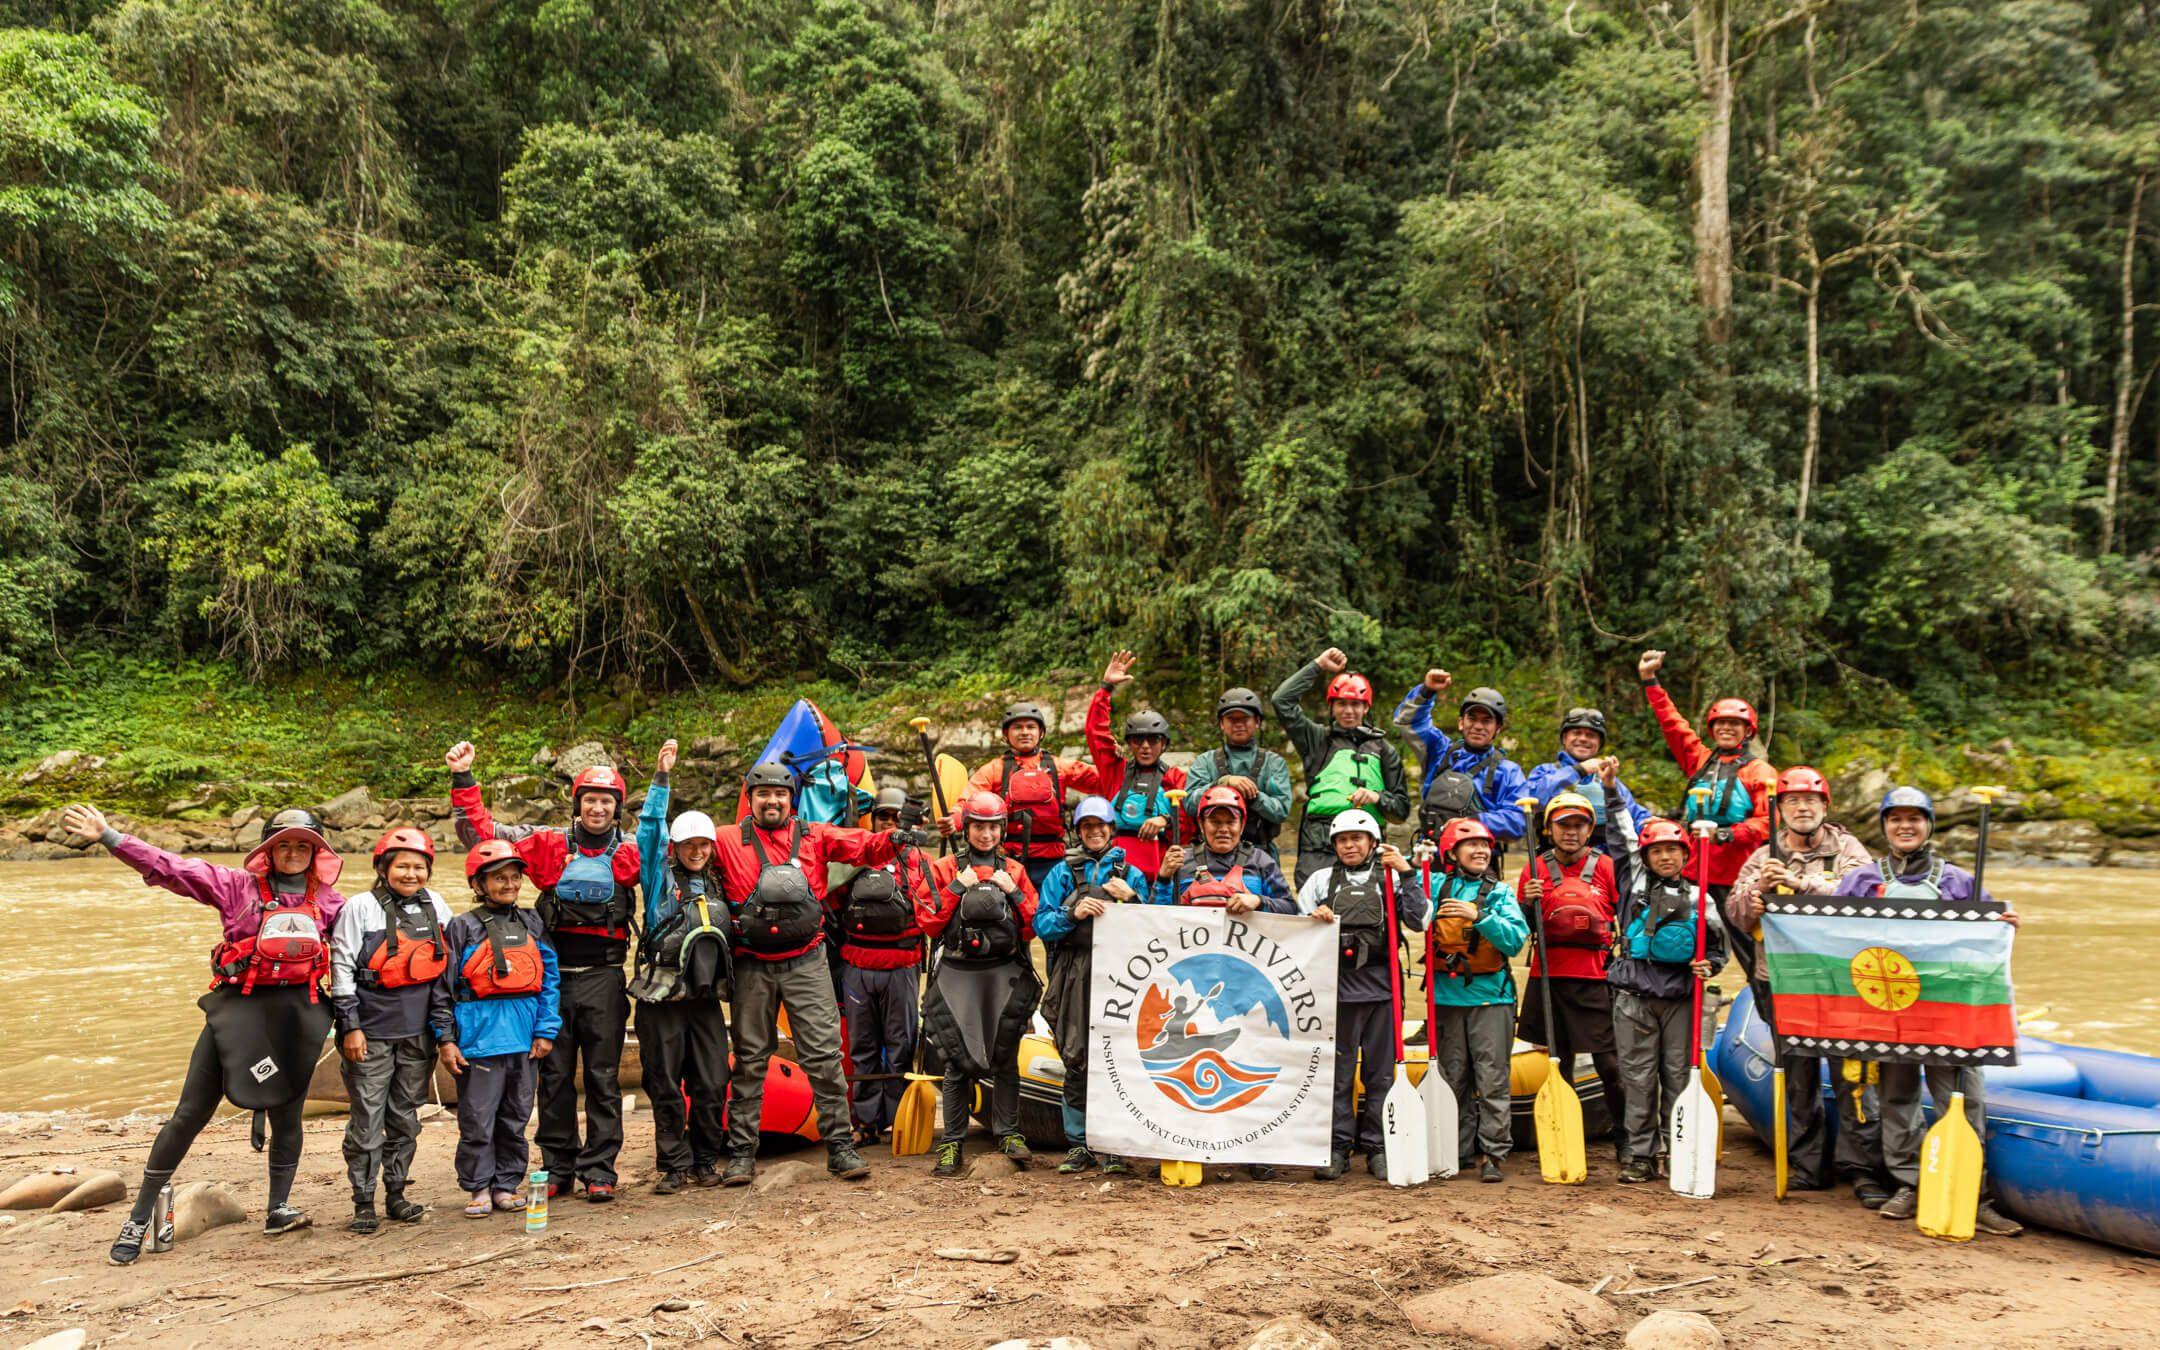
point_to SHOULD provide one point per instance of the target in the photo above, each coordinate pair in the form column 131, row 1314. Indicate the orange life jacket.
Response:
column 506, row 962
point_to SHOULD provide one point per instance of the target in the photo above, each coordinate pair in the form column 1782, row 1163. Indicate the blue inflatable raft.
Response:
column 2073, row 1134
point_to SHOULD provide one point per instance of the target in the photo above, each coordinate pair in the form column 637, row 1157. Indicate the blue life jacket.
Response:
column 1730, row 802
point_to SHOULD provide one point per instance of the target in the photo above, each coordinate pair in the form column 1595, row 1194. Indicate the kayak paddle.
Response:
column 1563, row 1158
column 1693, row 1163
column 1176, row 1172
column 1950, row 1176
column 1951, row 1154
column 1443, row 1120
column 1402, row 1111
column 1780, row 1145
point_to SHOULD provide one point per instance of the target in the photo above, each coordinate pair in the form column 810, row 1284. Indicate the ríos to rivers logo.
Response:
column 1190, row 1021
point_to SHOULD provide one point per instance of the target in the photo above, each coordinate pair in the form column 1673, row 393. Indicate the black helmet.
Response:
column 1586, row 719
column 890, row 799
column 1488, row 699
column 294, row 818
column 1147, row 724
column 1024, row 712
column 1239, row 699
column 768, row 773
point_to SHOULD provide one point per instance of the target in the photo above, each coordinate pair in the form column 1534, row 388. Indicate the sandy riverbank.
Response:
column 812, row 1262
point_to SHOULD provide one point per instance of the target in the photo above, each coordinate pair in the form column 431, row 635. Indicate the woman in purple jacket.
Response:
column 265, row 1017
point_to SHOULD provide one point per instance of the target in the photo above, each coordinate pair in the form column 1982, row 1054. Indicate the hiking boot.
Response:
column 1014, row 1146
column 1263, row 1172
column 1994, row 1222
column 363, row 1218
column 1077, row 1160
column 128, row 1245
column 1635, row 1171
column 284, row 1219
column 740, row 1168
column 1114, row 1166
column 1903, row 1205
column 845, row 1163
column 948, row 1159
column 560, row 1187
column 704, row 1177
column 404, row 1211
column 1338, row 1163
column 1376, row 1163
column 669, row 1184
column 596, row 1193
column 1489, row 1170
column 1871, row 1193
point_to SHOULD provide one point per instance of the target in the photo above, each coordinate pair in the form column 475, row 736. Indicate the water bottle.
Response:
column 161, row 1220
column 536, row 1198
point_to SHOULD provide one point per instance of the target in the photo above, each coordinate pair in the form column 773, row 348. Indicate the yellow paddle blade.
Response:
column 1562, row 1158
column 1950, row 1160
column 1716, row 1090
column 1182, row 1174
column 952, row 778
column 915, row 1121
column 1778, row 1143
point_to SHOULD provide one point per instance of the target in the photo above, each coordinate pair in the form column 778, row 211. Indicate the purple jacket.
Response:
column 1956, row 882
column 235, row 894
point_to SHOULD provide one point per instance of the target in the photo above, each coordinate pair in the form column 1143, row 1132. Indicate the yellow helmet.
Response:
column 1564, row 803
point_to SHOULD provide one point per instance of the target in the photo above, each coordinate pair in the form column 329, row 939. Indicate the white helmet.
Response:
column 1355, row 820
column 692, row 825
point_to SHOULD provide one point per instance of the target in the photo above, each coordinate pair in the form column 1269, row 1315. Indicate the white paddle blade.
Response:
column 1402, row 1132
column 1443, row 1125
column 1694, row 1141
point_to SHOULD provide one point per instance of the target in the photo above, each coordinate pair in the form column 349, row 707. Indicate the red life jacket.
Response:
column 287, row 947
column 1209, row 889
column 1034, row 805
column 506, row 962
column 412, row 950
column 1576, row 913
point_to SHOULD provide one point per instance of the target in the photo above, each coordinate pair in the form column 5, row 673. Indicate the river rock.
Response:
column 1519, row 1310
column 2049, row 843
column 580, row 757
column 95, row 1189
column 544, row 757
column 350, row 810
column 246, row 837
column 40, row 1190
column 243, row 816
column 201, row 1206
column 1294, row 1332
column 52, row 764
column 782, row 1176
column 1054, row 1343
column 991, row 1166
column 1666, row 1330
column 74, row 1338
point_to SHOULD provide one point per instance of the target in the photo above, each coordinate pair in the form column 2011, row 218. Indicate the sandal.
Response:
column 510, row 1202
column 482, row 1205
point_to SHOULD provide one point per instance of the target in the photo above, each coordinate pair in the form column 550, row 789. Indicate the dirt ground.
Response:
column 801, row 1260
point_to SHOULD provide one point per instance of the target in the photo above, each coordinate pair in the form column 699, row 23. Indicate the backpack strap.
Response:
column 1222, row 762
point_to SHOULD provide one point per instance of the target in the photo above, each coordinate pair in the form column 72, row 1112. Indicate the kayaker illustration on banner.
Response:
column 1212, row 1035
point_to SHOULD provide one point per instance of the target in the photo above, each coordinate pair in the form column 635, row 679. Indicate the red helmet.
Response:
column 489, row 854
column 1738, row 708
column 1801, row 778
column 1351, row 686
column 1458, row 831
column 1658, row 830
column 407, row 839
column 982, row 806
column 1221, row 799
column 599, row 778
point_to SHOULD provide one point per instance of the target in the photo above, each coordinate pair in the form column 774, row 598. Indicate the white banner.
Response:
column 1211, row 1037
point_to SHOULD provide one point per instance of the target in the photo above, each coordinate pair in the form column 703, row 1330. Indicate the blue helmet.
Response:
column 1908, row 797
column 1094, row 808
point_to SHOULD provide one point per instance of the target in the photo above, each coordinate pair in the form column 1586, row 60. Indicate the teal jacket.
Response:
column 1500, row 921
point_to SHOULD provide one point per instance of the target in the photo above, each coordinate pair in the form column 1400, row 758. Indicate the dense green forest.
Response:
column 704, row 342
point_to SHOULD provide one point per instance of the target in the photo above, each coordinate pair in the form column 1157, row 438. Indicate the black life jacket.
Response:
column 1361, row 910
column 687, row 955
column 878, row 910
column 1455, row 793
column 1257, row 832
column 587, row 899
column 985, row 927
column 782, row 915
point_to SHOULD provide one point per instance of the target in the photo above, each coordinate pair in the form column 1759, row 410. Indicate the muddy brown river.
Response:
column 100, row 975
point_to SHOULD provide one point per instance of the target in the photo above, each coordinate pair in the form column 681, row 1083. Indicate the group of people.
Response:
column 860, row 943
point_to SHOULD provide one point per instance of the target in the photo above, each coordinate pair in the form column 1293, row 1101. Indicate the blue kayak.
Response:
column 832, row 779
column 2073, row 1134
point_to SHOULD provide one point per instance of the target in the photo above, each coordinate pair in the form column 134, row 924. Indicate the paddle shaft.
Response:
column 1980, row 847
column 1702, row 934
column 1432, row 985
column 1394, row 966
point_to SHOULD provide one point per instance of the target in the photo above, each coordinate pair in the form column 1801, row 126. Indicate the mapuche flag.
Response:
column 1898, row 980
